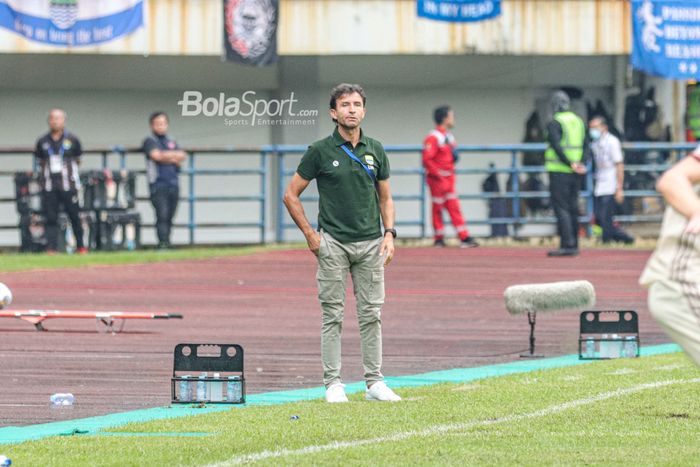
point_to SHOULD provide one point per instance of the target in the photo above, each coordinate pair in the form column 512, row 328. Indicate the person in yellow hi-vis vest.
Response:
column 564, row 162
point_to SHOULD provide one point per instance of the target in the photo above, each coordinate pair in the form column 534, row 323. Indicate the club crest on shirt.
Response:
column 369, row 160
column 67, row 144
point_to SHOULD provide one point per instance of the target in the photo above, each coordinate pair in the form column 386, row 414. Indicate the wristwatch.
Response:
column 391, row 231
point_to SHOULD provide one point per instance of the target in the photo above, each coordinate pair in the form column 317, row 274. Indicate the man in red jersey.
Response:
column 439, row 157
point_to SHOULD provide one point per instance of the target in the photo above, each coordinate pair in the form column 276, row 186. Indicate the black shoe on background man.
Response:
column 469, row 242
column 563, row 252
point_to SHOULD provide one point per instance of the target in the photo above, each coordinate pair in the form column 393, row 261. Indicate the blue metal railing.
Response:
column 517, row 219
column 278, row 179
column 191, row 172
column 283, row 219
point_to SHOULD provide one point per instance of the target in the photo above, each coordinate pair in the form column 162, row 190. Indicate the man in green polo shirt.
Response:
column 352, row 175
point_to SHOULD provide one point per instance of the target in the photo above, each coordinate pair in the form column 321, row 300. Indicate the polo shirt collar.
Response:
column 64, row 134
column 339, row 141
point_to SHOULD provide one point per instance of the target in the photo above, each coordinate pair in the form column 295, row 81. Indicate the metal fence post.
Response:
column 515, row 189
column 263, row 194
column 191, row 197
column 280, row 198
column 122, row 156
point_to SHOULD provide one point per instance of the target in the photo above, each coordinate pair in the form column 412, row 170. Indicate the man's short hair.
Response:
column 345, row 88
column 602, row 119
column 440, row 114
column 157, row 114
column 56, row 109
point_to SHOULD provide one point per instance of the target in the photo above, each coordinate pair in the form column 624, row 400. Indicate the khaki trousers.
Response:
column 676, row 307
column 366, row 267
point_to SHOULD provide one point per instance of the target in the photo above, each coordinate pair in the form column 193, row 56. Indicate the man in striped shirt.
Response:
column 58, row 157
column 673, row 271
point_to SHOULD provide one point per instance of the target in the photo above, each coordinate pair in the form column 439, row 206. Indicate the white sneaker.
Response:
column 336, row 393
column 381, row 392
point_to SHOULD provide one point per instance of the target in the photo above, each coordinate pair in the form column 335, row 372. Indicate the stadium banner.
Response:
column 68, row 23
column 460, row 11
column 666, row 38
column 250, row 31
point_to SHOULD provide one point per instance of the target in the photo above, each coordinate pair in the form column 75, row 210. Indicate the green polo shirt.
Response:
column 348, row 206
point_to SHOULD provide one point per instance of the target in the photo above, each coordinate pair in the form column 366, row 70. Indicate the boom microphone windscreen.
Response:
column 552, row 296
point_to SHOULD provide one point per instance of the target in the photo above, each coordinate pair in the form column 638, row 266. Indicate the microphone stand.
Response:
column 531, row 318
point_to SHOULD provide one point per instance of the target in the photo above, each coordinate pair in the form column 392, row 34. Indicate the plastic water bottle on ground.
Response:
column 604, row 346
column 615, row 348
column 185, row 393
column 217, row 393
column 630, row 349
column 589, row 351
column 62, row 399
column 202, row 388
column 234, row 389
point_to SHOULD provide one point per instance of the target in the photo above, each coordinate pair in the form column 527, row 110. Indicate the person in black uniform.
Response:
column 58, row 157
column 163, row 159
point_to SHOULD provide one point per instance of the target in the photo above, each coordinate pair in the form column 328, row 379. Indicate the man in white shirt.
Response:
column 609, row 177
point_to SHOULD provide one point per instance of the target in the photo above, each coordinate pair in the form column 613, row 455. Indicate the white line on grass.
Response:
column 439, row 429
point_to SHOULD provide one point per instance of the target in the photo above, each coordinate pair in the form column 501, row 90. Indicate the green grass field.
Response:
column 642, row 411
column 27, row 261
column 22, row 262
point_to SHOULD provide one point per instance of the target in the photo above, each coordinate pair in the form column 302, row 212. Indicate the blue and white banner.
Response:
column 666, row 38
column 71, row 22
column 460, row 11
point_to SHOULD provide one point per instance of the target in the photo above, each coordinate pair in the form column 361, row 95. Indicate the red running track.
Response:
column 444, row 310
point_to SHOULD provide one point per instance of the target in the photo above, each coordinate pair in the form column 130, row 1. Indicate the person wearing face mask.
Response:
column 564, row 162
column 609, row 178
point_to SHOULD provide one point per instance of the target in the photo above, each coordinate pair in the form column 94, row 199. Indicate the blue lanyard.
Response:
column 355, row 158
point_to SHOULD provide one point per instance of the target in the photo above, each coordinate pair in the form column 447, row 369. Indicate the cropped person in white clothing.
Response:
column 609, row 178
column 673, row 271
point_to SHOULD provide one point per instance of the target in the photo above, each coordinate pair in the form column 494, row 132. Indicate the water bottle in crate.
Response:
column 616, row 334
column 218, row 370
